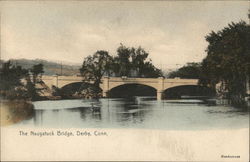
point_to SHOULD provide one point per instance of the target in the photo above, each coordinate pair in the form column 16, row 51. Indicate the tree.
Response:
column 150, row 71
column 95, row 66
column 36, row 71
column 122, row 61
column 10, row 76
column 11, row 85
column 16, row 82
column 32, row 91
column 133, row 62
column 189, row 71
column 139, row 63
column 125, row 63
column 227, row 61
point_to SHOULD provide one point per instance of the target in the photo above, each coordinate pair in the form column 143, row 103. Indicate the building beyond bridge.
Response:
column 108, row 83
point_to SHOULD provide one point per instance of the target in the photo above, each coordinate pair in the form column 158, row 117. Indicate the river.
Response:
column 141, row 112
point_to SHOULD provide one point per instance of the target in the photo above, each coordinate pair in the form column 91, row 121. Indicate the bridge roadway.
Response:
column 108, row 83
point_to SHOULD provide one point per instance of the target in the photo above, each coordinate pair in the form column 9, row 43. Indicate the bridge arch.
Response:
column 71, row 84
column 109, row 83
column 187, row 90
column 112, row 86
column 60, row 81
column 181, row 85
column 128, row 90
column 73, row 89
column 70, row 88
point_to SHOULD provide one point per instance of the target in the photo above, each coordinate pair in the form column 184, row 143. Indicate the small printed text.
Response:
column 60, row 133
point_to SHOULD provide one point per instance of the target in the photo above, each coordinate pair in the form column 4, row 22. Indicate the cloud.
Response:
column 170, row 33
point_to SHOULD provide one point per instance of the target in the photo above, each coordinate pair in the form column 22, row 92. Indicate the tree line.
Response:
column 19, row 83
column 128, row 61
column 226, row 67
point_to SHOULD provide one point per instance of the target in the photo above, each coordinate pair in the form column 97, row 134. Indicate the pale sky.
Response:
column 173, row 32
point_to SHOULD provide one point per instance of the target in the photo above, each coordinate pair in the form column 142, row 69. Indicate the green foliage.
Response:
column 36, row 70
column 10, row 76
column 228, row 60
column 189, row 71
column 56, row 91
column 95, row 66
column 15, row 82
column 131, row 62
column 32, row 91
column 122, row 60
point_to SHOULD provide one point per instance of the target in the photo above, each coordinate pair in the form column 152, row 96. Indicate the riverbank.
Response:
column 14, row 111
column 227, row 102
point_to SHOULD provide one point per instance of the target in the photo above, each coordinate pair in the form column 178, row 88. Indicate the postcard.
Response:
column 125, row 80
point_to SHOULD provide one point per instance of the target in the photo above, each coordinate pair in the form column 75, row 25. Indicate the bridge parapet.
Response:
column 60, row 81
column 181, row 81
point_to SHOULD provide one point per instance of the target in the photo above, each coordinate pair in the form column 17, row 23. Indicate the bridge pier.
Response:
column 105, row 94
column 159, row 95
column 105, row 87
column 55, row 81
column 160, row 88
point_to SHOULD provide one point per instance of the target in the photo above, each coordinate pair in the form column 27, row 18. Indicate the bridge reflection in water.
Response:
column 140, row 112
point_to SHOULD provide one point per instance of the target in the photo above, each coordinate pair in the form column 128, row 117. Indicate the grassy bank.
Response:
column 14, row 111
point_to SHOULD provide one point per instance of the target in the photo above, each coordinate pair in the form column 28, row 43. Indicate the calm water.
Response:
column 138, row 113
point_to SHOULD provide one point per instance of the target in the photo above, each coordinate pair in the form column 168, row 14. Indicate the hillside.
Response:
column 53, row 68
column 50, row 67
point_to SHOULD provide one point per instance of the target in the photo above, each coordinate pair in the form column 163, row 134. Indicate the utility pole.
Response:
column 161, row 66
column 249, row 14
column 61, row 68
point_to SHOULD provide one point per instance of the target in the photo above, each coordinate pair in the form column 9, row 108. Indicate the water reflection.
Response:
column 38, row 117
column 138, row 113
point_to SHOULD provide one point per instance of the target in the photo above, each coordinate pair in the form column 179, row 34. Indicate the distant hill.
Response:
column 50, row 67
column 53, row 68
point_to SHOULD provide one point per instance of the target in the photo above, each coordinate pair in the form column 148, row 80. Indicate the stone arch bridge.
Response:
column 160, row 84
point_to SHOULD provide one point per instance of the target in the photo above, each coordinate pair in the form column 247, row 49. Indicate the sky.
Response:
column 173, row 32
